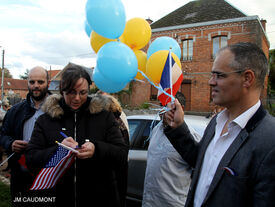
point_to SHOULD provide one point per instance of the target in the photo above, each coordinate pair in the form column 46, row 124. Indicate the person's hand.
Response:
column 175, row 116
column 70, row 142
column 18, row 145
column 87, row 150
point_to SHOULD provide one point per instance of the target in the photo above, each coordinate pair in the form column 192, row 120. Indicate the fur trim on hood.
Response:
column 98, row 103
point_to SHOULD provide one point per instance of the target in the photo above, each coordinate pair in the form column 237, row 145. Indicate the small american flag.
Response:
column 54, row 169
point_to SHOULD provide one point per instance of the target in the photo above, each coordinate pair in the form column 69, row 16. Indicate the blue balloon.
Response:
column 106, row 17
column 88, row 28
column 164, row 43
column 105, row 84
column 117, row 62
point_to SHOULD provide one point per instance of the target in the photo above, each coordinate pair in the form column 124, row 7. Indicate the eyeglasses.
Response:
column 216, row 75
column 74, row 93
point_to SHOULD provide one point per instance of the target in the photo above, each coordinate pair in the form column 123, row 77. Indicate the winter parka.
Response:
column 88, row 182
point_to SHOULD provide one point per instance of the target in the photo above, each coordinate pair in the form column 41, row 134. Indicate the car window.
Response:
column 145, row 136
column 140, row 130
column 133, row 127
column 142, row 141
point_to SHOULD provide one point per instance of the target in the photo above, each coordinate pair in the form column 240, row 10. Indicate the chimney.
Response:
column 263, row 22
column 150, row 21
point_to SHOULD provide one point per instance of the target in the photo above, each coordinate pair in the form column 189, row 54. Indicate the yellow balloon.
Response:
column 97, row 41
column 156, row 63
column 121, row 39
column 137, row 33
column 141, row 58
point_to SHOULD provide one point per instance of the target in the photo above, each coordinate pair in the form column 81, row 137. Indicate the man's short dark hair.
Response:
column 248, row 55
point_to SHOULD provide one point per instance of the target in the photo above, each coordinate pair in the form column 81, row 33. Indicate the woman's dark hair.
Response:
column 70, row 76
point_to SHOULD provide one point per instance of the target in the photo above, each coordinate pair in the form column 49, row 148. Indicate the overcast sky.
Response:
column 51, row 32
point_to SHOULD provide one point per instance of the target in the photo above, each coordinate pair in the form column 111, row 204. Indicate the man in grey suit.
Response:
column 234, row 163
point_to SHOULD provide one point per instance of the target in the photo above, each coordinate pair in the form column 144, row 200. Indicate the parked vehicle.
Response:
column 139, row 126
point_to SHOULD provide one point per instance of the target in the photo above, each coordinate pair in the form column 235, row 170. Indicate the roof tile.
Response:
column 199, row 11
column 15, row 84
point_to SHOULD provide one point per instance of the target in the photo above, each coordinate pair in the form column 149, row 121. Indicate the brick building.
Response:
column 15, row 87
column 201, row 28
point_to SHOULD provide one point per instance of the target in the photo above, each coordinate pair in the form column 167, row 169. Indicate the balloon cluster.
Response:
column 118, row 46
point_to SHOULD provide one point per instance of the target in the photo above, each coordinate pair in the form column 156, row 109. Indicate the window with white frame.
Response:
column 218, row 42
column 187, row 49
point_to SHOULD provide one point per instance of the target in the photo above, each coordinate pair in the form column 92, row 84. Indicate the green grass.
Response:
column 5, row 199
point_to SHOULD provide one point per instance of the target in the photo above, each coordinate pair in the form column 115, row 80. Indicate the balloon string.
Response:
column 153, row 123
column 139, row 80
column 159, row 88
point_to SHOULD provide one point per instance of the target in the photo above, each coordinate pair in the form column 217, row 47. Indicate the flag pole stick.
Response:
column 2, row 163
column 171, row 73
column 66, row 147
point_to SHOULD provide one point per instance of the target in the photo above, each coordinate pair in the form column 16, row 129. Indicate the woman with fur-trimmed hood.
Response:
column 92, row 179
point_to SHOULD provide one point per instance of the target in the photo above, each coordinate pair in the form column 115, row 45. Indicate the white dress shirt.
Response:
column 217, row 148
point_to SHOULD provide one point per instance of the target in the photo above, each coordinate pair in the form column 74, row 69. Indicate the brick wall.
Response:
column 140, row 93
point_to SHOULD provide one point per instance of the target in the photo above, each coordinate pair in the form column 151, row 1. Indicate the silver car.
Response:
column 140, row 126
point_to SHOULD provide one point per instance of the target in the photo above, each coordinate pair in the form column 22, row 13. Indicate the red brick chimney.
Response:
column 263, row 22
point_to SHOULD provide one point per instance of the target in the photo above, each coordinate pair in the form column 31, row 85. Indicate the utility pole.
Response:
column 50, row 76
column 2, row 82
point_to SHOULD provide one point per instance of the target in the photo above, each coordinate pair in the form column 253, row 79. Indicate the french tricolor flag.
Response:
column 171, row 78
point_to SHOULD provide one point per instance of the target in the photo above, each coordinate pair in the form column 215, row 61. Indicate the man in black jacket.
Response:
column 235, row 160
column 17, row 129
